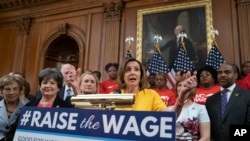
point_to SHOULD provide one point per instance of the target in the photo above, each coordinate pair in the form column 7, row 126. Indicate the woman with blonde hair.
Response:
column 88, row 83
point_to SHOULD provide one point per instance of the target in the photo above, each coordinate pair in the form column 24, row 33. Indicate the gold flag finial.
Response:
column 181, row 36
column 128, row 40
column 157, row 38
column 214, row 32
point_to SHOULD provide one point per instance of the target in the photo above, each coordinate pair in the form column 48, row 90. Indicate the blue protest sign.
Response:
column 61, row 124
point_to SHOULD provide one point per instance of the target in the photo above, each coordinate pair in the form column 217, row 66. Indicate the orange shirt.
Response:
column 202, row 94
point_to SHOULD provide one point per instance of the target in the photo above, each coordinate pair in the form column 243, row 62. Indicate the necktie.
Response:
column 223, row 101
column 68, row 92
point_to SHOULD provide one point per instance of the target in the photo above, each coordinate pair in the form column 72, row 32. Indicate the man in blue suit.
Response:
column 237, row 106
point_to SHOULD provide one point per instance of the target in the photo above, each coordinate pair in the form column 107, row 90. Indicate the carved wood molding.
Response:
column 24, row 24
column 242, row 1
column 112, row 11
column 63, row 28
column 14, row 4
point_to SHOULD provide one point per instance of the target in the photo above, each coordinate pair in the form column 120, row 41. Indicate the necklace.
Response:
column 9, row 110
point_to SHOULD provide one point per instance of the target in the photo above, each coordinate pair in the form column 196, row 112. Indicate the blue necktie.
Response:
column 68, row 93
column 223, row 101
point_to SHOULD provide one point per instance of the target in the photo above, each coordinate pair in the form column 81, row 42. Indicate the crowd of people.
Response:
column 196, row 99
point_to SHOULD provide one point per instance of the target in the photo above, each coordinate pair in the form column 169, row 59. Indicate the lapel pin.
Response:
column 236, row 94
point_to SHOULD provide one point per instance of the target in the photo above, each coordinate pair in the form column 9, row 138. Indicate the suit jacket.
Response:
column 173, row 50
column 5, row 122
column 237, row 112
column 57, row 103
column 61, row 94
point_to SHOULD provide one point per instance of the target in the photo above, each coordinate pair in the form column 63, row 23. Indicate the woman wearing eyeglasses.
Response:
column 10, row 105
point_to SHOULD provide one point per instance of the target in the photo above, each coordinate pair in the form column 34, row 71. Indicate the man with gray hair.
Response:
column 174, row 45
column 70, row 82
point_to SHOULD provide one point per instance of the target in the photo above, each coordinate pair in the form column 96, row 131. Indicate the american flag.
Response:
column 157, row 64
column 214, row 59
column 183, row 62
column 128, row 54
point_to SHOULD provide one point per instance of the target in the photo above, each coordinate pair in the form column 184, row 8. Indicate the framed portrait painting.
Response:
column 195, row 18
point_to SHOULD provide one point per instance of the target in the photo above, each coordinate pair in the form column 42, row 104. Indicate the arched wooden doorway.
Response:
column 64, row 49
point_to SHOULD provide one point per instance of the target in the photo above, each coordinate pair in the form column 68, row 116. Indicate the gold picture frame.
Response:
column 195, row 16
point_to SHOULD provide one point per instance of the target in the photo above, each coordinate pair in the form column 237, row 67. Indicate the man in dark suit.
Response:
column 174, row 46
column 70, row 80
column 237, row 107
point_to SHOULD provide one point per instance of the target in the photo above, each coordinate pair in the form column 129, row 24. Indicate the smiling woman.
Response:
column 10, row 105
column 50, row 81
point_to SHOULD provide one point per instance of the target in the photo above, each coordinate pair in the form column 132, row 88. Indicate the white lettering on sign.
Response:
column 112, row 124
column 89, row 124
column 57, row 120
column 131, row 126
column 148, row 126
column 154, row 128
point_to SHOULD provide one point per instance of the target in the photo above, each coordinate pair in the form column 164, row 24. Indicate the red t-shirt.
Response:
column 245, row 82
column 202, row 94
column 108, row 86
column 168, row 96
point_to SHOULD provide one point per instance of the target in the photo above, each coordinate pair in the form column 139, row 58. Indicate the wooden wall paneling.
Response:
column 23, row 26
column 243, row 8
column 85, row 64
column 130, row 29
column 8, row 34
column 33, row 58
column 112, row 23
column 94, row 48
column 222, row 19
column 61, row 29
column 235, row 35
column 100, row 30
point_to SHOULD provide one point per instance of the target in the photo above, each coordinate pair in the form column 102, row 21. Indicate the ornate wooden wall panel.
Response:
column 23, row 25
column 7, row 47
column 32, row 60
column 225, row 30
column 243, row 9
column 94, row 52
column 112, row 24
column 100, row 29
